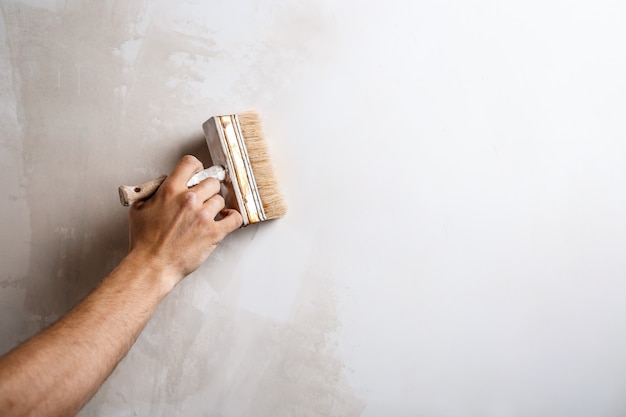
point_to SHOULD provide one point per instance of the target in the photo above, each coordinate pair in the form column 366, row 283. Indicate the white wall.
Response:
column 455, row 173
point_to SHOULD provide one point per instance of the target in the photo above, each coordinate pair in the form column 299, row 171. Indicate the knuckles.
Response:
column 189, row 199
column 217, row 201
column 204, row 218
column 168, row 190
column 191, row 160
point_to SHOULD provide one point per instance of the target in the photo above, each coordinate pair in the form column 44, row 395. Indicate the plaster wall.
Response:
column 455, row 174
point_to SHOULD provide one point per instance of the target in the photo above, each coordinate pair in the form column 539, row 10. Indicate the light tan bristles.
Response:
column 260, row 161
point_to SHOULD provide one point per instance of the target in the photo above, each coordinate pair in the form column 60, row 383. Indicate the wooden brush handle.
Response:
column 131, row 193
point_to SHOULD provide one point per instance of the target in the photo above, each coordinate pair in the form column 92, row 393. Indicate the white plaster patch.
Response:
column 189, row 75
column 129, row 50
column 121, row 91
column 143, row 22
column 65, row 232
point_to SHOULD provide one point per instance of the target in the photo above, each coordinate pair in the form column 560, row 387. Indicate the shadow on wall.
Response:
column 197, row 147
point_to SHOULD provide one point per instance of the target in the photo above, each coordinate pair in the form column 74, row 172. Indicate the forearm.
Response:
column 57, row 371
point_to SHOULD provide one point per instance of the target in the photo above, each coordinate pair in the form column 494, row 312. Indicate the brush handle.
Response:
column 131, row 193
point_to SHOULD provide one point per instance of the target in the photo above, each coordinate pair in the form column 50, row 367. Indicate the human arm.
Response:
column 57, row 371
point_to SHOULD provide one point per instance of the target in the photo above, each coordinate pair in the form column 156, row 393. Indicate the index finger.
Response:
column 186, row 167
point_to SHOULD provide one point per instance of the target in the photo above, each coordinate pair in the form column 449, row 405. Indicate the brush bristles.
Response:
column 272, row 200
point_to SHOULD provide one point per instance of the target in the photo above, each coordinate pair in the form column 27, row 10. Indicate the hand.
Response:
column 171, row 233
column 176, row 229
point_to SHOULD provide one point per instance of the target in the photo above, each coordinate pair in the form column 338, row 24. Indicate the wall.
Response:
column 455, row 173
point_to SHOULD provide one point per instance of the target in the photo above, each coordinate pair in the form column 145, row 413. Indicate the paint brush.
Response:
column 241, row 162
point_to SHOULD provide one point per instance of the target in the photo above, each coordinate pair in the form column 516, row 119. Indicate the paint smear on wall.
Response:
column 237, row 363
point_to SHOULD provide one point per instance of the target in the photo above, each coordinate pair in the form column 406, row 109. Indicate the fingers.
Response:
column 231, row 220
column 206, row 189
column 228, row 219
column 214, row 205
column 186, row 167
column 206, row 193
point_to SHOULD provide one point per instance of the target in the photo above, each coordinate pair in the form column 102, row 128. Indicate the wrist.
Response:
column 149, row 268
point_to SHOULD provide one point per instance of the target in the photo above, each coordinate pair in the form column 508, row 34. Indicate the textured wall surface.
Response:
column 456, row 177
